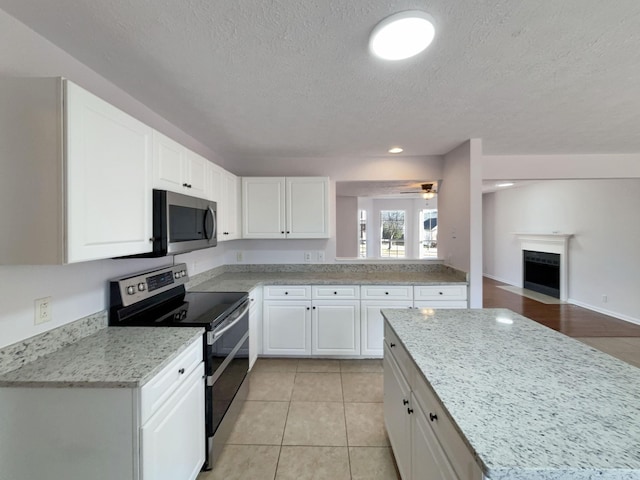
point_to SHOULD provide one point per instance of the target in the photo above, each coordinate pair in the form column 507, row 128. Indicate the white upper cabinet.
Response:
column 177, row 168
column 214, row 183
column 229, row 208
column 76, row 172
column 285, row 207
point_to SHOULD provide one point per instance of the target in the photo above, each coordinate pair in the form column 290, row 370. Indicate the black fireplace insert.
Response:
column 541, row 272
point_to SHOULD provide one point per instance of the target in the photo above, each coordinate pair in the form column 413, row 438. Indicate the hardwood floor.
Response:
column 569, row 319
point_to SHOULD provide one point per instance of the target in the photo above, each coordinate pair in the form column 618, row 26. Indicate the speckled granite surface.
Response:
column 532, row 404
column 113, row 357
column 25, row 351
column 244, row 282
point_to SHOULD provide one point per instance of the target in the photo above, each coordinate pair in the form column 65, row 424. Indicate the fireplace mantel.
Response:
column 550, row 243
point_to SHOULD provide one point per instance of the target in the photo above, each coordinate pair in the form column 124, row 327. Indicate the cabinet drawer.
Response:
column 395, row 292
column 440, row 292
column 283, row 292
column 443, row 427
column 154, row 393
column 400, row 355
column 345, row 292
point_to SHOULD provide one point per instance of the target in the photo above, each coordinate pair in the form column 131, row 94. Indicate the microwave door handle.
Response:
column 218, row 333
column 211, row 235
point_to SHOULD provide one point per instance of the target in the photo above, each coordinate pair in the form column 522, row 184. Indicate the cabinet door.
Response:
column 428, row 460
column 169, row 164
column 263, row 207
column 307, row 207
column 372, row 327
column 228, row 210
column 287, row 327
column 335, row 327
column 214, row 188
column 255, row 325
column 397, row 404
column 196, row 175
column 173, row 440
column 108, row 164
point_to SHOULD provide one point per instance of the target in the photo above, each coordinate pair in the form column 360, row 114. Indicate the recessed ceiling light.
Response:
column 505, row 184
column 396, row 150
column 402, row 35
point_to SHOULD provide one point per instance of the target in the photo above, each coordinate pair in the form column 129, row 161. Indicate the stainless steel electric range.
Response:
column 158, row 298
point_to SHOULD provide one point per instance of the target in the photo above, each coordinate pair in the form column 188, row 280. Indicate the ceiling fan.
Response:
column 428, row 190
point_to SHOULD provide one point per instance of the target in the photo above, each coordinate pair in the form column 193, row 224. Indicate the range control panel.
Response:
column 134, row 288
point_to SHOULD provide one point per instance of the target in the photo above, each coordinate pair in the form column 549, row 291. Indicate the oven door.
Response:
column 227, row 368
column 182, row 223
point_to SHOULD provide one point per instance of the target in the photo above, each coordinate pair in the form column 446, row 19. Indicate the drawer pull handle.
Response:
column 314, row 308
column 386, row 293
column 286, row 293
column 282, row 231
column 392, row 345
column 409, row 411
column 405, row 402
column 433, row 417
column 308, row 308
column 335, row 293
column 440, row 293
column 181, row 371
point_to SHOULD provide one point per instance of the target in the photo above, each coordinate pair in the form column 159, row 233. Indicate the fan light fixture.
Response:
column 402, row 35
column 428, row 195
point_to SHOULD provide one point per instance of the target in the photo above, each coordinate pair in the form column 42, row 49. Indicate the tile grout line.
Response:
column 346, row 428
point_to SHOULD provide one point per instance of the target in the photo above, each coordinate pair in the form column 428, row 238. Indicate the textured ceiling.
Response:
column 255, row 79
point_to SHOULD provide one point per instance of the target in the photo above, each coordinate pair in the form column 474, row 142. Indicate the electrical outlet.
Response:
column 238, row 256
column 307, row 257
column 605, row 299
column 320, row 256
column 42, row 310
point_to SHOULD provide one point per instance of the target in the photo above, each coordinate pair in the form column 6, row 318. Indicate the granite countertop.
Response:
column 246, row 281
column 114, row 357
column 531, row 403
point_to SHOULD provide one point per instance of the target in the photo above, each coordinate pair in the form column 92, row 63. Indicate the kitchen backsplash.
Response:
column 30, row 349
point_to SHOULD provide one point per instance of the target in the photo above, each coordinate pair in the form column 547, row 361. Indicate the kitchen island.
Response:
column 522, row 400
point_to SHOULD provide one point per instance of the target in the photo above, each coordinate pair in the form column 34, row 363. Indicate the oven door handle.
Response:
column 218, row 333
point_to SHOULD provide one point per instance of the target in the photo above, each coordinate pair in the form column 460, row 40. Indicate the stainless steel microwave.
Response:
column 182, row 223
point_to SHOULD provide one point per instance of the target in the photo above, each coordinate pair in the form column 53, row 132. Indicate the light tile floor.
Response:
column 309, row 419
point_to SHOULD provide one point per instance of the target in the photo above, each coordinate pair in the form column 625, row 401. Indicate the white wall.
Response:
column 338, row 169
column 77, row 290
column 604, row 255
column 460, row 214
column 516, row 167
column 347, row 227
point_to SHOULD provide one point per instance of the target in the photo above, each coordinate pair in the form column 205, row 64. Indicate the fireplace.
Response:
column 541, row 272
column 547, row 243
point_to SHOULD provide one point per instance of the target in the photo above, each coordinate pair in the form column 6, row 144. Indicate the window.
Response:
column 428, row 233
column 362, row 234
column 392, row 233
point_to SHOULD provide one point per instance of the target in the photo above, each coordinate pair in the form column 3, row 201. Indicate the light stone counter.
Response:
column 531, row 403
column 246, row 281
column 114, row 357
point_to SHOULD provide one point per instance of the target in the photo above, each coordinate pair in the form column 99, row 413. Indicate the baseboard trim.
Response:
column 502, row 280
column 619, row 316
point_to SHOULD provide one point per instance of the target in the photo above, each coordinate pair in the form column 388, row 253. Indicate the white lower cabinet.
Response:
column 335, row 327
column 151, row 433
column 342, row 320
column 424, row 441
column 428, row 460
column 287, row 327
column 172, row 441
column 372, row 324
column 255, row 325
column 397, row 395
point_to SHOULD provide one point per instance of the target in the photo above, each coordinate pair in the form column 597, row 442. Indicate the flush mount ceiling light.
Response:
column 396, row 150
column 402, row 35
